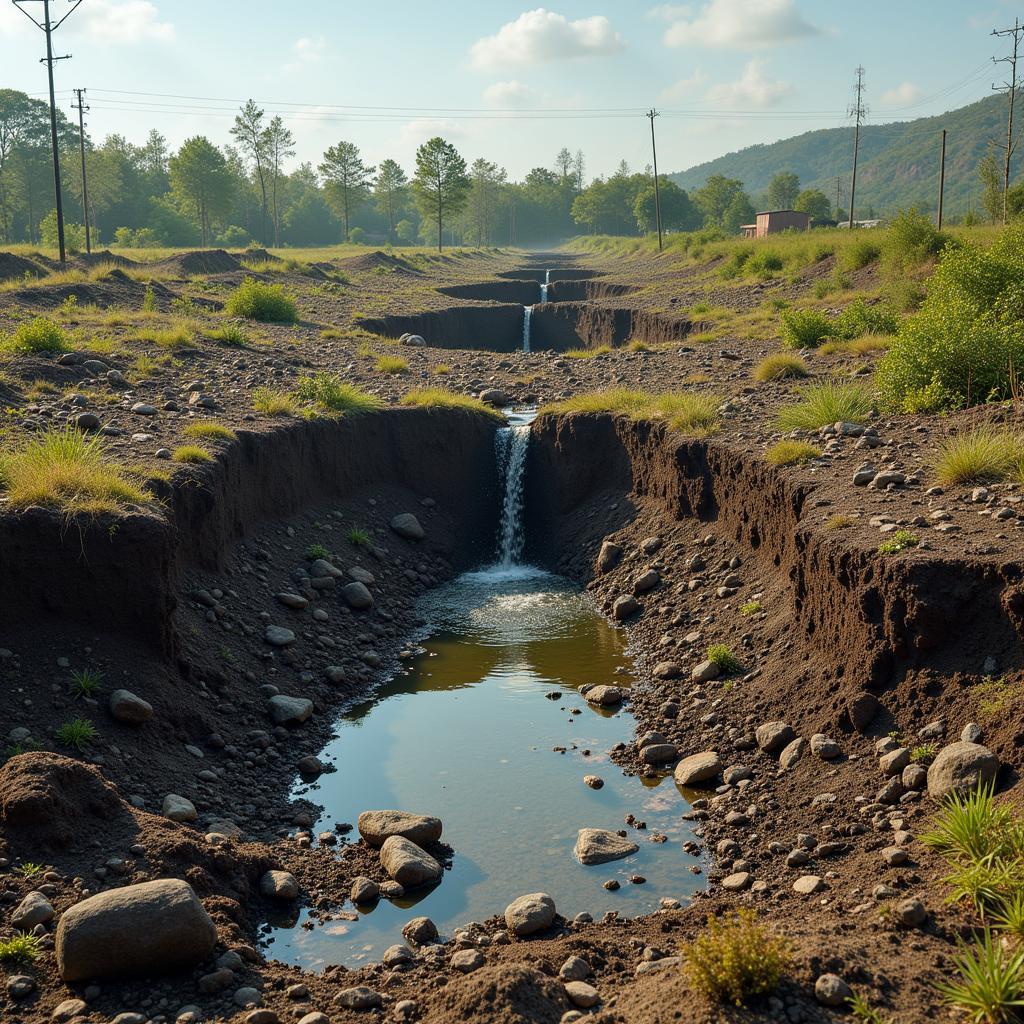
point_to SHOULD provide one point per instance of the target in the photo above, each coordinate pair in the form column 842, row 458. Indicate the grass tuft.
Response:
column 330, row 393
column 274, row 403
column 899, row 541
column 85, row 683
column 990, row 989
column 822, row 404
column 21, row 948
column 981, row 455
column 779, row 366
column 359, row 538
column 694, row 414
column 208, row 428
column 77, row 734
column 791, row 453
column 191, row 453
column 441, row 398
column 266, row 303
column 391, row 364
column 722, row 656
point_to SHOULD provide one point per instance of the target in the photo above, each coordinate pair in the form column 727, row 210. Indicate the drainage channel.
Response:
column 472, row 732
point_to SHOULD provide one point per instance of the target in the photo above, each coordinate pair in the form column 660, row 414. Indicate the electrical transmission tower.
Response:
column 49, row 27
column 858, row 111
column 81, row 107
column 1010, row 87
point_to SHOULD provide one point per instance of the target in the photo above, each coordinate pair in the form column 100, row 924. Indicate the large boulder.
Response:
column 125, row 706
column 408, row 526
column 357, row 595
column 377, row 826
column 407, row 863
column 148, row 928
column 285, row 710
column 959, row 768
column 698, row 768
column 609, row 556
column 772, row 736
column 530, row 913
column 599, row 846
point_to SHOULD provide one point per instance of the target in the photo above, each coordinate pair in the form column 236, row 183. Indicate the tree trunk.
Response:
column 439, row 237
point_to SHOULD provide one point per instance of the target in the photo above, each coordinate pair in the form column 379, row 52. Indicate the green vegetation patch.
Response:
column 266, row 303
column 822, row 404
column 695, row 414
column 441, row 398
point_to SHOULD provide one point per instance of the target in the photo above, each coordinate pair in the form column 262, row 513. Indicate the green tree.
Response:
column 310, row 221
column 390, row 191
column 486, row 181
column 740, row 211
column 564, row 164
column 280, row 146
column 715, row 198
column 201, row 182
column 991, row 186
column 347, row 180
column 783, row 190
column 253, row 139
column 678, row 212
column 441, row 184
column 814, row 202
column 405, row 231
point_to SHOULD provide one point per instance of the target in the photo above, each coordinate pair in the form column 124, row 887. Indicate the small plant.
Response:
column 858, row 255
column 85, row 683
column 391, row 364
column 231, row 335
column 751, row 608
column 29, row 869
column 838, row 522
column 274, row 403
column 899, row 541
column 266, row 303
column 360, row 538
column 779, row 366
column 791, row 453
column 721, row 656
column 804, row 328
column 208, row 428
column 330, row 333
column 38, row 335
column 77, row 734
column 330, row 393
column 315, row 551
column 924, row 753
column 440, row 398
column 823, row 404
column 191, row 453
column 176, row 338
column 440, row 369
column 149, row 300
column 736, row 959
column 21, row 948
column 995, row 695
column 981, row 455
column 862, row 1010
column 970, row 827
column 990, row 989
column 587, row 353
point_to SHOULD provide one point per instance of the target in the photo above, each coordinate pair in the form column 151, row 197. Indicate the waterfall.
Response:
column 527, row 313
column 544, row 286
column 511, row 443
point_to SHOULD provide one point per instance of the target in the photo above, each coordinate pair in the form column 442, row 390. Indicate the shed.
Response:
column 771, row 222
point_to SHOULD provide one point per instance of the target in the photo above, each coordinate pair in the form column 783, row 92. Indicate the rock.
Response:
column 831, row 990
column 364, row 890
column 698, row 768
column 894, row 761
column 668, row 670
column 466, row 961
column 772, row 736
column 144, row 409
column 608, row 557
column 607, row 696
column 581, row 994
column 278, row 636
column 624, row 607
column 408, row 526
column 599, row 846
column 246, row 996
column 420, row 930
column 377, row 826
column 705, row 672
column 178, row 808
column 911, row 912
column 407, row 863
column 575, row 968
column 358, row 998
column 311, row 765
column 972, row 733
column 824, row 747
column 398, row 955
column 279, row 885
column 738, row 881
column 126, row 707
column 315, row 1018
column 285, row 710
column 149, row 928
column 792, row 752
column 87, row 421
column 808, row 884
column 357, row 595
column 593, row 781
column 895, row 855
column 34, row 909
column 658, row 753
column 530, row 914
column 915, row 776
column 69, row 1010
column 320, row 568
column 862, row 710
column 959, row 768
column 646, row 581
column 21, row 986
column 495, row 397
column 294, row 601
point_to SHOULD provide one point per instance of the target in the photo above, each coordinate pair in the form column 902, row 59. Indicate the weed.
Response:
column 38, row 335
column 981, row 455
column 838, row 522
column 191, row 453
column 861, row 1009
column 721, row 656
column 779, row 366
column 274, row 403
column 899, row 541
column 687, row 413
column 315, row 551
column 267, row 303
column 207, row 428
column 391, row 364
column 77, row 733
column 330, row 393
column 912, row 239
column 440, row 398
column 29, row 869
column 751, row 608
column 924, row 753
column 149, row 300
column 804, row 328
column 970, row 826
column 21, row 948
column 995, row 696
column 360, row 538
column 858, row 255
column 990, row 989
column 231, row 335
column 822, row 404
column 440, row 369
column 587, row 353
column 175, row 338
column 85, row 683
column 791, row 453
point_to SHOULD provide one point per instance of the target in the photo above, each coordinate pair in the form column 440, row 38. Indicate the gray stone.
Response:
column 911, row 912
column 960, row 768
column 606, row 696
column 377, row 826
column 178, row 808
column 466, row 961
column 608, row 557
column 831, row 990
column 698, row 768
column 495, row 397
column 772, row 736
column 358, row 998
column 278, row 636
column 320, row 567
column 125, row 706
column 575, row 968
column 149, row 928
column 705, row 672
column 894, row 761
column 408, row 526
column 529, row 914
column 285, row 710
column 581, row 994
column 357, row 595
column 420, row 930
column 972, row 733
column 824, row 747
column 915, row 776
column 658, row 753
column 862, row 710
column 407, row 863
column 624, row 607
column 738, row 881
column 34, row 909
column 279, row 885
column 599, row 846
column 667, row 670
column 792, row 752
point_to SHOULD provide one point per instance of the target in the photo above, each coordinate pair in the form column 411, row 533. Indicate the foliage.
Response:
column 391, row 364
column 721, row 655
column 191, row 454
column 274, row 403
column 359, row 538
column 207, row 428
column 899, row 541
column 315, row 551
column 791, row 453
column 231, row 335
column 85, row 683
column 751, row 607
column 804, row 328
column 678, row 211
column 779, row 366
column 347, row 181
column 990, row 989
column 735, row 959
column 440, row 398
column 201, row 182
column 77, row 734
column 981, row 455
column 267, row 303
column 38, row 335
column 441, row 185
column 331, row 394
column 822, row 404
column 783, row 190
column 815, row 203
column 21, row 948
column 910, row 240
column 695, row 414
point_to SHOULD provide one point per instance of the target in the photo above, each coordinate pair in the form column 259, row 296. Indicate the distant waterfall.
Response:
column 511, row 443
column 527, row 313
column 544, row 286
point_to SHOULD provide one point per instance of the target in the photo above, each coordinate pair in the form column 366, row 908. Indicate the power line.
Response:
column 857, row 112
column 82, row 108
column 1010, row 88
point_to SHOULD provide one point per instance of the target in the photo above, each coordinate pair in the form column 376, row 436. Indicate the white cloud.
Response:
column 903, row 95
column 306, row 50
column 417, row 131
column 512, row 95
column 752, row 89
column 130, row 21
column 685, row 87
column 540, row 35
column 744, row 24
column 670, row 12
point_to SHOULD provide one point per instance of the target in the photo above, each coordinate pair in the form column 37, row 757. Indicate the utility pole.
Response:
column 942, row 178
column 82, row 108
column 1011, row 89
column 652, row 114
column 839, row 196
column 49, row 28
column 858, row 112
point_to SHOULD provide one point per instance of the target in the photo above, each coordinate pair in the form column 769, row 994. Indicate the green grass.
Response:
column 924, row 753
column 328, row 392
column 359, row 538
column 804, row 328
column 315, row 551
column 791, row 453
column 587, row 353
column 722, row 656
column 391, row 364
column 779, row 366
column 440, row 369
column 38, row 335
column 971, row 827
column 85, row 683
column 29, row 869
column 822, row 404
column 176, row 338
column 21, row 948
column 63, row 469
column 990, row 987
column 897, row 542
column 441, row 398
column 751, row 608
column 861, row 1010
column 695, row 414
column 995, row 696
column 978, row 456
column 266, row 303
column 191, row 454
column 736, row 959
column 274, row 403
column 231, row 335
column 207, row 428
column 77, row 734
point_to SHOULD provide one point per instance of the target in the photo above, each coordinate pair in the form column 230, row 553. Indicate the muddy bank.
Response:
column 586, row 291
column 492, row 328
column 554, row 273
column 526, row 293
column 564, row 325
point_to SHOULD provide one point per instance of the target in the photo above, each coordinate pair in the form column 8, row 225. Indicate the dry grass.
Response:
column 694, row 414
column 791, row 453
column 983, row 455
column 391, row 364
column 780, row 365
column 440, row 398
column 274, row 403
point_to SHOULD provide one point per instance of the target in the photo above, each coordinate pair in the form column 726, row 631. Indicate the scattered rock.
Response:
column 608, row 557
column 698, row 768
column 407, row 863
column 772, row 736
column 959, row 768
column 529, row 914
column 178, row 808
column 285, row 710
column 377, row 826
column 599, row 846
column 279, row 885
column 125, row 706
column 831, row 990
column 408, row 526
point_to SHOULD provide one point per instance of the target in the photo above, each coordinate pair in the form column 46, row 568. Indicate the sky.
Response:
column 507, row 81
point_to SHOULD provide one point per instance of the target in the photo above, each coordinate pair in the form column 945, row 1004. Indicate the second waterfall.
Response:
column 511, row 444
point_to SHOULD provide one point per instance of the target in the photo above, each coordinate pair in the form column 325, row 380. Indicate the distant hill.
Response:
column 898, row 164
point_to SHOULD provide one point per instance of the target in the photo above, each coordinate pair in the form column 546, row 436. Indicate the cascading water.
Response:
column 511, row 443
column 544, row 286
column 527, row 314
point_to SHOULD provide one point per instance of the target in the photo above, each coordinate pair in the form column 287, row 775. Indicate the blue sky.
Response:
column 508, row 81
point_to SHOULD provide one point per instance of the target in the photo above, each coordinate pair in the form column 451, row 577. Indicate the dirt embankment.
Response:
column 526, row 293
column 493, row 328
column 587, row 291
column 566, row 325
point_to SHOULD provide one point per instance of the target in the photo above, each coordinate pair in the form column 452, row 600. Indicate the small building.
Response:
column 771, row 222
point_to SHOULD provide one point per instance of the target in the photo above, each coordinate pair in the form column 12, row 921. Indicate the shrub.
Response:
column 77, row 734
column 780, row 365
column 391, row 364
column 982, row 455
column 899, row 541
column 822, row 404
column 330, row 393
column 38, row 335
column 85, row 683
column 860, row 253
column 191, row 453
column 791, row 453
column 721, row 655
column 736, row 958
column 315, row 551
column 274, row 403
column 359, row 538
column 859, row 318
column 750, row 608
column 439, row 398
column 22, row 948
column 267, row 303
column 990, row 988
column 765, row 263
column 63, row 469
column 210, row 429
column 804, row 328
column 231, row 335
column 910, row 240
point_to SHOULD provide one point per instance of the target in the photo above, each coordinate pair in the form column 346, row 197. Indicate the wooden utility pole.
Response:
column 652, row 114
column 82, row 108
column 839, row 197
column 942, row 178
column 858, row 112
column 1011, row 90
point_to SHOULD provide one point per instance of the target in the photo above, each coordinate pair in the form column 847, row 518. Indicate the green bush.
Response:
column 912, row 239
column 805, row 328
column 859, row 318
column 765, row 263
column 966, row 344
column 860, row 253
column 268, row 303
column 38, row 335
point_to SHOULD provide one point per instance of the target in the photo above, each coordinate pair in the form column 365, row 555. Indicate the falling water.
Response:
column 511, row 443
column 527, row 313
column 544, row 286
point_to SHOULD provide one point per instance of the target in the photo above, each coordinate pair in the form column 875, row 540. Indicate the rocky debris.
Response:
column 285, row 710
column 959, row 768
column 279, row 885
column 698, row 768
column 646, row 581
column 358, row 998
column 625, row 607
column 377, row 826
column 599, row 846
column 278, row 636
column 178, row 808
column 125, row 706
column 495, row 397
column 808, row 884
column 357, row 595
column 911, row 912
column 831, row 990
column 738, row 881
column 705, row 671
column 792, row 752
column 581, row 994
column 148, row 928
column 419, row 931
column 466, row 961
column 407, row 863
column 529, row 914
column 824, row 747
column 408, row 526
column 658, row 753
